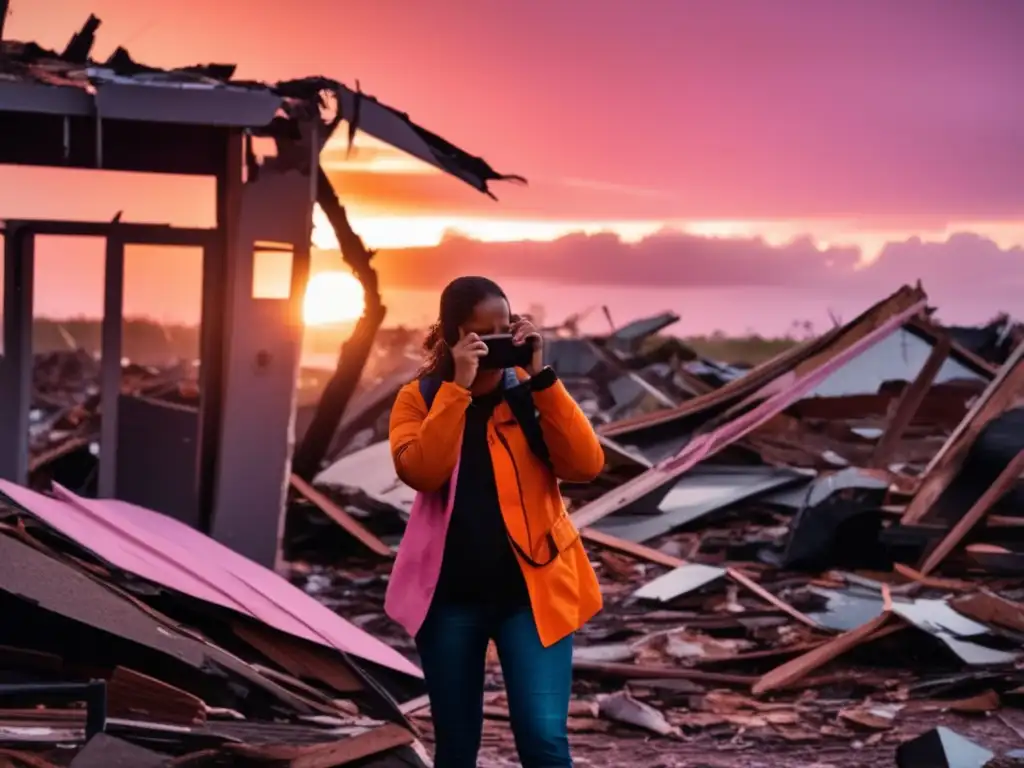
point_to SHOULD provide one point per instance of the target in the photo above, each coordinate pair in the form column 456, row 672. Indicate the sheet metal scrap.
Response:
column 190, row 655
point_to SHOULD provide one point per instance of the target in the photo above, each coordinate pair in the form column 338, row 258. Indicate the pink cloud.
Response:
column 964, row 265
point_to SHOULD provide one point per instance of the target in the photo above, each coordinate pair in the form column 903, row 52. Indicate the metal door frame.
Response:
column 17, row 366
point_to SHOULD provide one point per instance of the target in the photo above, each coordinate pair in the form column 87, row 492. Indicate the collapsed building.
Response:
column 813, row 557
column 141, row 637
column 823, row 550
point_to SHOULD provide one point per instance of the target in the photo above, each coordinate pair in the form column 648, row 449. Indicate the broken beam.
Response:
column 643, row 552
column 1005, row 389
column 1003, row 484
column 909, row 404
column 659, row 672
column 340, row 516
column 789, row 673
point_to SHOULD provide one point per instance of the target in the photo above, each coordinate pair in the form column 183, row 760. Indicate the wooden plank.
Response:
column 800, row 358
column 639, row 551
column 908, row 404
column 792, row 671
column 658, row 672
column 341, row 517
column 918, row 579
column 300, row 659
column 1003, row 484
column 764, row 594
column 1001, row 394
column 132, row 695
column 642, row 552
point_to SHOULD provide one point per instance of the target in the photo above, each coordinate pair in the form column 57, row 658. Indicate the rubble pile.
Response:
column 64, row 423
column 816, row 561
column 821, row 555
column 148, row 642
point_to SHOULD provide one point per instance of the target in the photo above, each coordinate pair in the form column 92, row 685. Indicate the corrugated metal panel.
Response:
column 155, row 547
column 698, row 493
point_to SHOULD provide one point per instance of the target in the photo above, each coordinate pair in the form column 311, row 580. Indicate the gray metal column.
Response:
column 110, row 362
column 263, row 339
column 16, row 369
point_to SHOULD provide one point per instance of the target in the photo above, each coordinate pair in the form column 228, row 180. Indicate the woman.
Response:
column 489, row 552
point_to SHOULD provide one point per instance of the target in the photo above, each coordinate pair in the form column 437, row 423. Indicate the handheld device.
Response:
column 502, row 352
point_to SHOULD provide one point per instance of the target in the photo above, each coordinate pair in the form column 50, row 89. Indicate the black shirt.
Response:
column 479, row 565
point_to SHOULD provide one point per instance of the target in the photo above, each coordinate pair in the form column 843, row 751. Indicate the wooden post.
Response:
column 909, row 403
column 4, row 4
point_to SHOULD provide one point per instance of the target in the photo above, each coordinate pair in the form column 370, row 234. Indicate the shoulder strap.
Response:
column 520, row 401
column 429, row 385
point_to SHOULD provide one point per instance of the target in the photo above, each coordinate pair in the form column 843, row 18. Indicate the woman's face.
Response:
column 489, row 316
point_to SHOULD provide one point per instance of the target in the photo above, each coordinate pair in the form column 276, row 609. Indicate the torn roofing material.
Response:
column 169, row 553
column 698, row 493
column 36, row 80
column 793, row 364
column 45, row 583
column 853, row 608
column 680, row 581
column 942, row 748
column 393, row 127
column 629, row 337
column 898, row 358
column 771, row 398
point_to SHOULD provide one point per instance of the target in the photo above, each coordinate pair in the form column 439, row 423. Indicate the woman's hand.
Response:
column 525, row 332
column 466, row 355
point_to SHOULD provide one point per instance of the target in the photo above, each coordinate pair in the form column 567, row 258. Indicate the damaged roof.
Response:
column 69, row 84
column 171, row 554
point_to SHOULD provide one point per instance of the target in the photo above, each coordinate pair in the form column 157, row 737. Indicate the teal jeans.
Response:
column 453, row 648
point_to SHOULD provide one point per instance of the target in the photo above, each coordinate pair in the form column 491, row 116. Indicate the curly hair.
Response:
column 458, row 301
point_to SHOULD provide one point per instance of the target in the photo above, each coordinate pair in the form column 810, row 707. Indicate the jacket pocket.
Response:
column 563, row 533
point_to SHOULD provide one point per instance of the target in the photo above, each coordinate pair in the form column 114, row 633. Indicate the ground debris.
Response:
column 623, row 708
column 765, row 585
column 806, row 563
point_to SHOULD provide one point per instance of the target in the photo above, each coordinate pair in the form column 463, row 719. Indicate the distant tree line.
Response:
column 149, row 342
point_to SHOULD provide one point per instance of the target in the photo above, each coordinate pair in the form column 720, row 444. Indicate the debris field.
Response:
column 818, row 559
column 815, row 561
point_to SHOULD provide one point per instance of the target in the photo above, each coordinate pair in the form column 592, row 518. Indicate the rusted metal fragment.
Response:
column 303, row 660
column 135, row 696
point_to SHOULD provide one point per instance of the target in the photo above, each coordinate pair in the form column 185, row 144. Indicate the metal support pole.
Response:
column 16, row 370
column 110, row 362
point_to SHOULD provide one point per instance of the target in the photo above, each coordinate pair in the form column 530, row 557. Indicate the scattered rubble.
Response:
column 822, row 553
column 143, row 639
column 818, row 559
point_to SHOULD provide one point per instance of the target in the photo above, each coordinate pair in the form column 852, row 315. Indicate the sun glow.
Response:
column 332, row 297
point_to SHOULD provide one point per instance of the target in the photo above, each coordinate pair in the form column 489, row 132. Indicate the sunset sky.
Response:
column 745, row 163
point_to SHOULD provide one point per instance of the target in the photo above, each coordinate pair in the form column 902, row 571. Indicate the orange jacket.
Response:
column 564, row 593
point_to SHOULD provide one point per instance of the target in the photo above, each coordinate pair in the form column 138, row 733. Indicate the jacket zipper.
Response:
column 519, row 486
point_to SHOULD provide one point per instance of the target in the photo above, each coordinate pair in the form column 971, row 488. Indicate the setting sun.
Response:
column 332, row 297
